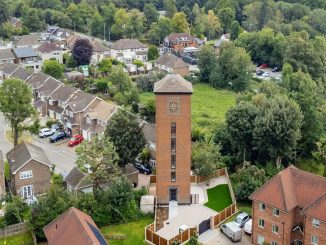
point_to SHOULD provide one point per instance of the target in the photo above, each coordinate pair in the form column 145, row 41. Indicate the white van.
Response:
column 248, row 227
column 232, row 231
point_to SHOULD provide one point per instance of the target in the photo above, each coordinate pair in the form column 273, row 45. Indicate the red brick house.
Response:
column 290, row 209
column 176, row 42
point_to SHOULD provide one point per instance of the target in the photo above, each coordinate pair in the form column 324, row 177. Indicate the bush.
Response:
column 49, row 123
column 138, row 194
column 138, row 63
column 153, row 53
column 35, row 127
column 135, row 107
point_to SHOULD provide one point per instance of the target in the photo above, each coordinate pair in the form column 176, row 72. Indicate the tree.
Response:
column 53, row 68
column 153, row 53
column 151, row 14
column 170, row 8
column 160, row 30
column 105, row 65
column 16, row 103
column 235, row 30
column 320, row 153
column 120, row 80
column 4, row 11
column 32, row 20
column 108, row 13
column 135, row 24
column 126, row 135
column 206, row 158
column 207, row 59
column 213, row 24
column 120, row 20
column 82, row 52
column 101, row 159
column 97, row 25
column 15, row 211
column 179, row 23
column 226, row 16
column 277, row 128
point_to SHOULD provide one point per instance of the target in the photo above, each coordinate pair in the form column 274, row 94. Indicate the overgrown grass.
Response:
column 245, row 207
column 22, row 136
column 209, row 105
column 22, row 239
column 133, row 231
column 311, row 165
column 219, row 197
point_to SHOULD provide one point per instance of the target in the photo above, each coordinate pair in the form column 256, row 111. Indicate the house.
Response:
column 218, row 44
column 54, row 33
column 7, row 70
column 99, row 51
column 29, row 170
column 49, row 50
column 27, row 58
column 21, row 73
column 35, row 81
column 6, row 56
column 95, row 120
column 76, row 182
column 290, row 209
column 31, row 40
column 171, row 63
column 149, row 132
column 71, row 40
column 2, row 177
column 176, row 42
column 17, row 23
column 73, row 227
column 127, row 50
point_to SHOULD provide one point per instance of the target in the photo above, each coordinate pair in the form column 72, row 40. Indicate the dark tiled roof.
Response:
column 48, row 47
column 24, row 52
column 73, row 227
column 63, row 93
column 149, row 131
column 28, row 40
column 74, row 177
column 290, row 188
column 9, row 68
column 127, row 44
column 98, row 46
column 173, row 83
column 171, row 61
column 23, row 153
column 49, row 86
column 6, row 54
column 176, row 37
column 21, row 73
column 80, row 101
column 37, row 79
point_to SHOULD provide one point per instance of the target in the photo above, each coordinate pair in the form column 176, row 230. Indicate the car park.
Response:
column 75, row 140
column 266, row 74
column 232, row 231
column 241, row 219
column 248, row 227
column 57, row 136
column 143, row 168
column 45, row 132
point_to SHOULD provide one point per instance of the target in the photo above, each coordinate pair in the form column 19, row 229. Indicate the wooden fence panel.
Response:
column 15, row 229
column 149, row 235
column 156, row 239
column 152, row 179
column 184, row 236
column 163, row 241
column 193, row 179
column 193, row 231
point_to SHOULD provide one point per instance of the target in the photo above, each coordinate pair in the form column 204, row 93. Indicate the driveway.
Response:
column 214, row 237
column 272, row 74
column 63, row 157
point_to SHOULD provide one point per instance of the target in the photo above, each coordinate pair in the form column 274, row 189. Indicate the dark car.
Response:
column 276, row 69
column 143, row 168
column 259, row 72
column 58, row 136
column 75, row 140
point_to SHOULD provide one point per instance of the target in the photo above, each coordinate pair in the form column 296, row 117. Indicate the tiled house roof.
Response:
column 173, row 83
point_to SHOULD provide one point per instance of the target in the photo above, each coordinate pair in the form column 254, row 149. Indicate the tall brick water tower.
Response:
column 173, row 139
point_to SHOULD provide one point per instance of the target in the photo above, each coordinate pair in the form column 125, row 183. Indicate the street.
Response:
column 62, row 156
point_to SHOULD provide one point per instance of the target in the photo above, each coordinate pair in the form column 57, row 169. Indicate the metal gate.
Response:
column 204, row 226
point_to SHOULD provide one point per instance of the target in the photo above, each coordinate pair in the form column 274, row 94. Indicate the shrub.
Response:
column 35, row 127
column 49, row 123
column 138, row 63
column 153, row 53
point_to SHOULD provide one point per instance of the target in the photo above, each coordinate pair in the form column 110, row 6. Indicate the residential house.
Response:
column 290, row 209
column 218, row 44
column 28, row 58
column 95, row 120
column 17, row 23
column 171, row 63
column 76, row 182
column 29, row 170
column 176, row 42
column 21, row 73
column 10, row 70
column 31, row 40
column 149, row 132
column 54, row 33
column 2, row 177
column 49, row 50
column 73, row 227
column 6, row 56
column 71, row 40
column 99, row 51
column 58, row 100
column 127, row 50
column 73, row 115
column 35, row 81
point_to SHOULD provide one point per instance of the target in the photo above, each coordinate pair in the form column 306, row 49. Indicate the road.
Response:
column 62, row 156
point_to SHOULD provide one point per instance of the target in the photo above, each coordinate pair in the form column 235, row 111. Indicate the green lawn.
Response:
column 23, row 239
column 209, row 105
column 245, row 207
column 134, row 231
column 219, row 197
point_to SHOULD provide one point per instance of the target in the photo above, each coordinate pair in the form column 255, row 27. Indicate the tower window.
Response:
column 173, row 145
column 173, row 177
column 173, row 129
column 173, row 161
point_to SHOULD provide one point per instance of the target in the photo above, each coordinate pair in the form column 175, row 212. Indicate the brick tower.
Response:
column 173, row 139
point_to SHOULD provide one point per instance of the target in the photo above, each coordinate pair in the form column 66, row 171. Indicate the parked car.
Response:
column 266, row 74
column 276, row 69
column 45, row 132
column 75, row 140
column 241, row 219
column 143, row 169
column 248, row 227
column 232, row 231
column 57, row 136
column 259, row 72
column 263, row 66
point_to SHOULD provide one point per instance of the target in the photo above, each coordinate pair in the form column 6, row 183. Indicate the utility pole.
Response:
column 104, row 33
column 109, row 34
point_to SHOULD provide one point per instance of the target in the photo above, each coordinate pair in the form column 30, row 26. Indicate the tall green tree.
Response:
column 108, row 13
column 235, row 30
column 179, row 23
column 135, row 24
column 153, row 53
column 126, row 135
column 4, row 11
column 97, row 25
column 170, row 8
column 101, row 159
column 161, row 29
column 226, row 16
column 120, row 20
column 53, row 68
column 207, row 59
column 151, row 14
column 16, row 103
column 33, row 21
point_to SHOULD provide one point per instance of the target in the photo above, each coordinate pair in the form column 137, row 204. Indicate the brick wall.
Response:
column 311, row 230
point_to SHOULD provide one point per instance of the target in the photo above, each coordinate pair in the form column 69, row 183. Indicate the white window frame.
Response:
column 27, row 189
column 276, row 212
column 88, row 120
column 260, row 239
column 261, row 223
column 262, row 206
column 315, row 223
column 274, row 229
column 71, row 114
column 314, row 240
column 26, row 174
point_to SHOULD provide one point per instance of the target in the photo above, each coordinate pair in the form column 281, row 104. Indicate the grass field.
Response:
column 209, row 105
column 23, row 239
column 219, row 197
column 134, row 231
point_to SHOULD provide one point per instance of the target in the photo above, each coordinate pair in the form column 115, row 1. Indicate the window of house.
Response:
column 260, row 239
column 67, row 112
column 261, row 223
column 314, row 240
column 275, row 229
column 173, row 177
column 262, row 206
column 276, row 212
column 274, row 243
column 315, row 223
column 71, row 114
column 26, row 174
column 88, row 120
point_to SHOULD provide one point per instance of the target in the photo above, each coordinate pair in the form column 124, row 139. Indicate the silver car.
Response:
column 241, row 219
